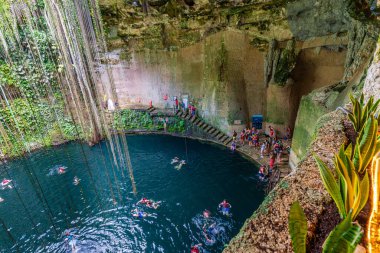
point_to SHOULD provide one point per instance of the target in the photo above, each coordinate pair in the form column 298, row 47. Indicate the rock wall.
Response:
column 222, row 75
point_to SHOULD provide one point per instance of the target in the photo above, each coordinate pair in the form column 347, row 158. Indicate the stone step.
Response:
column 193, row 118
column 188, row 116
column 220, row 136
column 200, row 124
column 228, row 141
column 178, row 113
column 205, row 126
column 197, row 121
column 224, row 138
column 211, row 130
column 216, row 133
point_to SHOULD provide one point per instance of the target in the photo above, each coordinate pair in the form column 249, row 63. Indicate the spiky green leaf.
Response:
column 344, row 238
column 298, row 227
column 331, row 185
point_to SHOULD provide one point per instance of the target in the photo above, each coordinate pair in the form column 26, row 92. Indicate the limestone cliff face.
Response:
column 372, row 81
column 232, row 58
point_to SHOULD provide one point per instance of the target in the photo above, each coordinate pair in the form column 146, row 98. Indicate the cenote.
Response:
column 42, row 205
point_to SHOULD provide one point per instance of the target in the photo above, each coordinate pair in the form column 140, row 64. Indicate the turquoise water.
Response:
column 43, row 204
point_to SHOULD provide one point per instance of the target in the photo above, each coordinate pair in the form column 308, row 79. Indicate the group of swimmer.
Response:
column 62, row 170
column 179, row 163
column 211, row 232
column 148, row 203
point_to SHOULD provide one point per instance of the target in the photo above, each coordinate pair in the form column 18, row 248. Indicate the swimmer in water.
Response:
column 175, row 160
column 195, row 248
column 180, row 164
column 153, row 204
column 210, row 233
column 70, row 240
column 6, row 182
column 149, row 203
column 76, row 180
column 225, row 208
column 206, row 214
column 61, row 170
column 142, row 201
column 140, row 214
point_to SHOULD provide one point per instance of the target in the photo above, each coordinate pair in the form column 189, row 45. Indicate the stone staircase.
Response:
column 151, row 110
column 205, row 127
column 281, row 170
column 283, row 167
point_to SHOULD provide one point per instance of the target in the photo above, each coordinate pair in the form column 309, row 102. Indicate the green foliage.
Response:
column 349, row 192
column 354, row 190
column 285, row 64
column 362, row 112
column 344, row 238
column 297, row 228
column 367, row 145
column 331, row 185
column 27, row 122
column 131, row 119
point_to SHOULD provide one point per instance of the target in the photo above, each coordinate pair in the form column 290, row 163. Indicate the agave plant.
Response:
column 297, row 227
column 361, row 112
column 344, row 238
column 349, row 192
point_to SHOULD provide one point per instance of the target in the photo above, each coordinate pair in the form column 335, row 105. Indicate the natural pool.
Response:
column 36, row 212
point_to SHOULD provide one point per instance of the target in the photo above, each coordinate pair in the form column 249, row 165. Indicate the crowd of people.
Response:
column 268, row 144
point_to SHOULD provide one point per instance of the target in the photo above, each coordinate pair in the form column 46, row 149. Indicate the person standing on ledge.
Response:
column 234, row 135
column 176, row 103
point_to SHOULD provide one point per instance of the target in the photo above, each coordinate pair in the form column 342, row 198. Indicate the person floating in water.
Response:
column 61, row 170
column 206, row 214
column 262, row 173
column 149, row 203
column 175, row 160
column 76, row 180
column 1, row 199
column 211, row 233
column 6, row 183
column 225, row 208
column 71, row 241
column 139, row 214
column 153, row 204
column 195, row 248
column 180, row 164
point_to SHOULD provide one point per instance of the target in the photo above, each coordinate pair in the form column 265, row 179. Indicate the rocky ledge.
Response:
column 267, row 229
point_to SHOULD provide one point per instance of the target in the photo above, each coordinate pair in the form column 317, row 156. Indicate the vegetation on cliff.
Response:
column 351, row 191
column 33, row 109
